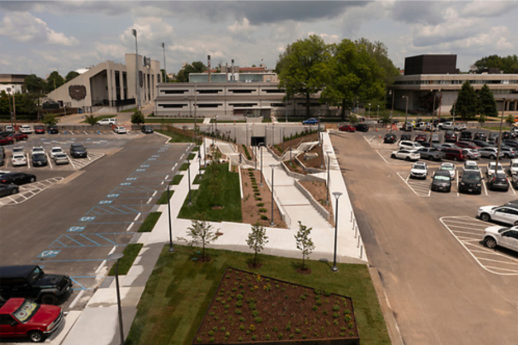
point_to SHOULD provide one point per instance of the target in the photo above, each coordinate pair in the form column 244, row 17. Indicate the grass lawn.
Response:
column 197, row 179
column 184, row 167
column 131, row 110
column 175, row 137
column 149, row 223
column 192, row 155
column 196, row 149
column 163, row 198
column 497, row 128
column 150, row 120
column 226, row 195
column 176, row 179
column 179, row 291
column 130, row 253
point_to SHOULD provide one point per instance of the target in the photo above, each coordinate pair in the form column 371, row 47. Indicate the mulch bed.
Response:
column 249, row 307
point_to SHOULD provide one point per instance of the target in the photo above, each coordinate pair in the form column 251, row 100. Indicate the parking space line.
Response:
column 511, row 185
column 28, row 161
column 90, row 239
column 154, row 193
column 409, row 186
column 136, row 217
column 130, row 226
column 381, row 156
column 149, row 200
column 78, row 297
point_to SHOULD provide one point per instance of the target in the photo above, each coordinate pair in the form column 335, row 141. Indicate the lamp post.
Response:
column 118, row 256
column 378, row 114
column 328, row 174
column 171, row 249
column 273, row 167
column 500, row 137
column 10, row 108
column 189, row 179
column 369, row 110
column 137, row 91
column 165, row 70
column 406, row 108
column 337, row 196
column 195, row 106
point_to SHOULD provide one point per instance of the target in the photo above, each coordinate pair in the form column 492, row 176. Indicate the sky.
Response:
column 38, row 37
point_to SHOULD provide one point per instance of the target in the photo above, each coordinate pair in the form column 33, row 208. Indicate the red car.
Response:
column 20, row 317
column 19, row 136
column 39, row 130
column 347, row 128
column 467, row 145
column 6, row 140
column 420, row 138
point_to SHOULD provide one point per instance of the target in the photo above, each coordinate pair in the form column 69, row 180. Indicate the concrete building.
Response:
column 12, row 82
column 111, row 85
column 415, row 86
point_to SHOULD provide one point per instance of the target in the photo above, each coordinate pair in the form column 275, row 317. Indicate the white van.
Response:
column 513, row 166
column 407, row 144
column 107, row 121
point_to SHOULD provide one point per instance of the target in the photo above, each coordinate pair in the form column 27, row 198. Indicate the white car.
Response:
column 60, row 158
column 491, row 169
column 409, row 145
column 419, row 170
column 500, row 236
column 26, row 129
column 107, row 122
column 18, row 160
column 120, row 130
column 450, row 167
column 470, row 166
column 9, row 128
column 406, row 154
column 55, row 151
column 507, row 214
column 513, row 166
column 38, row 149
column 18, row 150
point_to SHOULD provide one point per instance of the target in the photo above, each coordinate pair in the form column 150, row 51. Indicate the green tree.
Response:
column 34, row 84
column 486, row 102
column 482, row 119
column 256, row 240
column 509, row 120
column 379, row 52
column 138, row 118
column 195, row 67
column 50, row 119
column 91, row 120
column 508, row 64
column 201, row 233
column 71, row 75
column 466, row 104
column 304, row 242
column 54, row 81
column 303, row 68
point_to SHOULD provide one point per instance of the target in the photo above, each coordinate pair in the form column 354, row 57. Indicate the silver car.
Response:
column 490, row 152
column 473, row 154
column 500, row 236
column 61, row 158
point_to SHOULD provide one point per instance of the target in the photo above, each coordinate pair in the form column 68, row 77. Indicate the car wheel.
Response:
column 36, row 336
column 32, row 179
column 392, row 156
column 485, row 217
column 407, row 158
column 449, row 190
column 490, row 242
column 49, row 299
column 14, row 191
column 455, row 159
column 492, row 157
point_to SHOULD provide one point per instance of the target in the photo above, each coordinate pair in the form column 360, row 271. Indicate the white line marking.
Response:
column 154, row 193
column 458, row 184
column 409, row 186
column 137, row 217
column 500, row 261
column 113, row 249
column 382, row 156
column 166, row 177
column 50, row 161
column 181, row 157
column 70, row 160
column 28, row 161
column 79, row 295
column 85, row 132
column 149, row 200
column 161, row 183
column 100, row 267
column 130, row 226
column 511, row 185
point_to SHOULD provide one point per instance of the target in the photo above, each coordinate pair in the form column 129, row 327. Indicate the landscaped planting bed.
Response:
column 249, row 308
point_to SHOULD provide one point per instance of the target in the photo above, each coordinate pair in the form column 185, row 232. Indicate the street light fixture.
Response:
column 118, row 256
column 165, row 70
column 369, row 110
column 500, row 136
column 406, row 108
column 137, row 91
column 337, row 196
column 272, row 166
column 378, row 114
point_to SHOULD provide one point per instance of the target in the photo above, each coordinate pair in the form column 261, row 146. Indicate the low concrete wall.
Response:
column 309, row 170
column 320, row 209
column 301, row 176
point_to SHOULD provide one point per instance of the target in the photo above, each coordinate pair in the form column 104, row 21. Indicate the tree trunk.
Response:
column 255, row 259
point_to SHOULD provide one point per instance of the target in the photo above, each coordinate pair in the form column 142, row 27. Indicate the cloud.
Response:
column 24, row 27
column 242, row 30
column 426, row 12
column 329, row 39
column 488, row 8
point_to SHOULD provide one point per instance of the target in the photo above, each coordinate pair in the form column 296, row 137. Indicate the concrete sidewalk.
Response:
column 100, row 315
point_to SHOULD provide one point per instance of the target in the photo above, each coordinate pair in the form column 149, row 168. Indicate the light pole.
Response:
column 118, row 256
column 195, row 106
column 10, row 108
column 369, row 110
column 137, row 91
column 165, row 70
column 171, row 249
column 189, row 178
column 378, row 114
column 500, row 137
column 406, row 108
column 337, row 196
column 328, row 170
column 273, row 167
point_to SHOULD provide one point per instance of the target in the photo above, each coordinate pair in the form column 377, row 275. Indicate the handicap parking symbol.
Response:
column 112, row 195
column 49, row 253
column 144, row 166
column 76, row 228
column 140, row 170
column 126, row 184
column 131, row 179
column 86, row 219
column 105, row 202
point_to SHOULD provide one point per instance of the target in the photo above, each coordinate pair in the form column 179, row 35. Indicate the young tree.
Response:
column 509, row 120
column 466, row 105
column 91, row 120
column 202, row 233
column 138, row 118
column 50, row 119
column 482, row 119
column 54, row 81
column 486, row 102
column 257, row 239
column 195, row 67
column 303, row 68
column 304, row 242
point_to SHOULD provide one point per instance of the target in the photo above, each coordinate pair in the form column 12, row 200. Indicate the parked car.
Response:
column 471, row 154
column 471, row 166
column 18, row 136
column 361, row 127
column 7, row 140
column 17, row 178
column 60, row 158
column 30, row 281
column 37, row 149
column 493, row 137
column 507, row 214
column 55, row 150
column 107, row 122
column 490, row 152
column 450, row 136
column 498, row 236
column 406, row 154
column 466, row 135
column 448, row 146
column 419, row 170
column 39, row 130
column 407, row 126
column 431, row 153
column 2, row 152
column 390, row 138
column 409, row 145
column 467, row 145
column 53, row 129
column 508, row 152
column 510, row 143
column 455, row 154
column 491, row 167
column 450, row 168
column 8, row 189
column 39, row 160
column 441, row 181
column 499, row 181
column 120, row 130
column 513, row 167
column 26, row 129
column 9, row 128
column 78, row 151
column 18, row 160
column 21, row 318
column 471, row 182
column 420, row 138
column 405, row 136
column 480, row 136
column 149, row 129
column 514, row 181
column 481, row 143
column 436, row 138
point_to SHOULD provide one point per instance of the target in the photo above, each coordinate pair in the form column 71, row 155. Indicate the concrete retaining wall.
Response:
column 320, row 209
column 300, row 176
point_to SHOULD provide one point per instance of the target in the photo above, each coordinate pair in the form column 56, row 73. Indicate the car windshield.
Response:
column 419, row 166
column 441, row 178
column 515, row 165
column 502, row 230
column 26, row 311
column 38, row 155
column 446, row 167
column 35, row 275
column 471, row 177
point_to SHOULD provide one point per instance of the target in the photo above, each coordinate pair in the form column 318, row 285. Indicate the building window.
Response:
column 277, row 104
column 174, row 92
column 242, row 104
column 173, row 105
column 273, row 91
column 209, row 105
column 209, row 91
column 242, row 90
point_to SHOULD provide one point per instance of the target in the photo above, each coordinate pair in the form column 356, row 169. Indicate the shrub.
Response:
column 227, row 334
column 275, row 329
column 238, row 312
column 260, row 204
column 351, row 334
column 315, row 308
column 211, row 313
column 342, row 334
column 280, row 336
column 336, row 315
column 255, row 313
column 258, row 320
column 288, row 327
column 254, row 337
column 263, row 217
column 211, row 340
column 239, row 297
column 292, row 336
column 263, row 210
column 242, row 319
column 239, row 304
column 241, row 327
column 240, row 339
column 211, row 333
column 222, row 329
column 336, row 308
column 267, row 337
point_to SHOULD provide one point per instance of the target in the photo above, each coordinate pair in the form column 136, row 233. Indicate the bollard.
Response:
column 356, row 233
column 358, row 242
column 361, row 251
column 351, row 216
